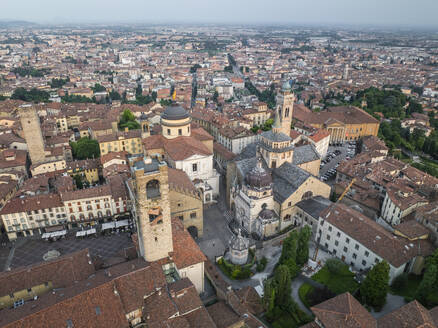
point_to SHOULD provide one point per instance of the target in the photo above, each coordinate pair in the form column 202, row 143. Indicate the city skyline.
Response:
column 317, row 12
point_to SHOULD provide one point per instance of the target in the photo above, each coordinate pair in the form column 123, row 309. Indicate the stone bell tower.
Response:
column 152, row 208
column 285, row 107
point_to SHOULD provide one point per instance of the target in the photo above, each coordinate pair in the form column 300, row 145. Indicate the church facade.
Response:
column 185, row 149
column 267, row 180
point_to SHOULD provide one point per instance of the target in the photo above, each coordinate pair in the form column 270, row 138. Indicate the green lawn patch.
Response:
column 286, row 320
column 304, row 290
column 409, row 288
column 338, row 283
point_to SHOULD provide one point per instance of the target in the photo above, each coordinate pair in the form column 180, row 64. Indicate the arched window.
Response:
column 153, row 189
column 307, row 194
column 73, row 218
column 89, row 208
column 108, row 213
column 90, row 216
column 287, row 218
column 99, row 214
column 286, row 112
column 81, row 217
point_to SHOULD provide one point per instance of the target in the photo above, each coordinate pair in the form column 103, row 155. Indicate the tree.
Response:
column 427, row 284
column 33, row 94
column 58, row 83
column 114, row 95
column 85, row 148
column 282, row 282
column 194, row 68
column 215, row 96
column 268, row 300
column 98, row 88
column 376, row 285
column 128, row 121
column 303, row 245
column 78, row 181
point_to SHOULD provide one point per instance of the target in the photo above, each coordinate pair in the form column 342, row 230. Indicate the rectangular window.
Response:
column 354, row 256
column 193, row 215
column 347, row 240
column 195, row 167
column 328, row 237
column 364, row 262
column 345, row 249
column 336, row 243
column 338, row 234
column 330, row 228
column 367, row 253
column 356, row 246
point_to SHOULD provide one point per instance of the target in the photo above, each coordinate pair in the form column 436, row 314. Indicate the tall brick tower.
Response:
column 152, row 208
column 285, row 107
column 30, row 123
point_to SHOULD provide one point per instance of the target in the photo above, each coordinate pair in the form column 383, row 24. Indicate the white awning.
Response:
column 108, row 225
column 122, row 223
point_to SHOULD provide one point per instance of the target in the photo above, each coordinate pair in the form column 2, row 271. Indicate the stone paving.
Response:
column 30, row 250
column 216, row 233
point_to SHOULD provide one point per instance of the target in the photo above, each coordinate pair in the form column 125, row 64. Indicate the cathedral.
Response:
column 271, row 175
column 186, row 148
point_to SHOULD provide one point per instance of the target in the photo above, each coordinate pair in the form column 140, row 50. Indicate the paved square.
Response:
column 30, row 251
column 216, row 233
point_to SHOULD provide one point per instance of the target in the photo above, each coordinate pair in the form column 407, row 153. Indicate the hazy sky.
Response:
column 370, row 12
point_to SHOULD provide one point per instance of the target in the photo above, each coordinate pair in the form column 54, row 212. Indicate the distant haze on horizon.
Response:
column 419, row 13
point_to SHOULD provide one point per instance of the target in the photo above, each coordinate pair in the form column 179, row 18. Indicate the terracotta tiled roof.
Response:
column 100, row 191
column 61, row 272
column 184, row 147
column 186, row 251
column 180, row 180
column 412, row 229
column 343, row 311
column 393, row 249
column 32, row 203
column 411, row 315
column 224, row 152
column 201, row 134
column 223, row 315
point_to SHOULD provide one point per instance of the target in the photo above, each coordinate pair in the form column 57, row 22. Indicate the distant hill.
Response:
column 15, row 23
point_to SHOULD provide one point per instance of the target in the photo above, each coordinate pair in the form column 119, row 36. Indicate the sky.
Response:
column 411, row 13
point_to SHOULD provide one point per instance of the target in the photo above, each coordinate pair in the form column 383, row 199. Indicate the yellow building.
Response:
column 47, row 167
column 344, row 123
column 129, row 141
column 87, row 168
column 185, row 202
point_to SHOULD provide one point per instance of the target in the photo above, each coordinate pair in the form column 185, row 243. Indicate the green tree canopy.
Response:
column 85, row 148
column 128, row 121
column 376, row 285
column 33, row 95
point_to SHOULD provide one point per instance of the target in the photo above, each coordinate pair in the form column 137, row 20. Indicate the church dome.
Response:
column 174, row 112
column 258, row 177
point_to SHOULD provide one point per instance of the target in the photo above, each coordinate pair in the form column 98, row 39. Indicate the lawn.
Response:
column 338, row 283
column 410, row 288
column 286, row 320
column 304, row 290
